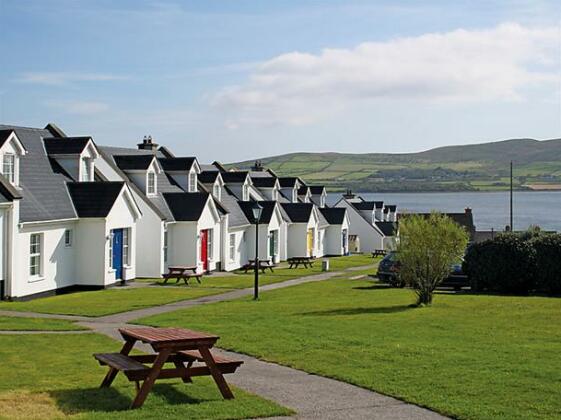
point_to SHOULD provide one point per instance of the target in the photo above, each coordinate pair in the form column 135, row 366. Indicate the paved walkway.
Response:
column 310, row 396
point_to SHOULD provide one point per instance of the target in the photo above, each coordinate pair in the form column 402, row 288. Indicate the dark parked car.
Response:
column 388, row 270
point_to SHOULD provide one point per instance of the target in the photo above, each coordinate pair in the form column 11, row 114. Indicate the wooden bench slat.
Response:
column 218, row 359
column 120, row 362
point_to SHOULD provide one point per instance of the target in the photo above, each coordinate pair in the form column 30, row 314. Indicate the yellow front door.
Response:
column 310, row 242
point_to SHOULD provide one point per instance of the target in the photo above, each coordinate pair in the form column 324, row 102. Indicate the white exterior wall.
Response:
column 321, row 244
column 283, row 241
column 297, row 240
column 241, row 247
column 182, row 243
column 3, row 244
column 92, row 252
column 370, row 238
column 208, row 220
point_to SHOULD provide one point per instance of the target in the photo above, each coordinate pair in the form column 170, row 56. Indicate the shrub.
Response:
column 548, row 263
column 504, row 264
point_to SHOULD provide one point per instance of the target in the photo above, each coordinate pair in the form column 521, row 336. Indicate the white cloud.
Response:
column 80, row 107
column 297, row 88
column 63, row 78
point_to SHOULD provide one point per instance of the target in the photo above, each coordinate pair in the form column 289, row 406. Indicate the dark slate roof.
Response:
column 4, row 134
column 208, row 177
column 298, row 212
column 66, row 145
column 133, row 162
column 186, row 207
column 334, row 215
column 379, row 204
column 364, row 205
column 94, row 199
column 392, row 207
column 7, row 191
column 287, row 182
column 236, row 217
column 45, row 196
column 303, row 190
column 387, row 228
column 316, row 189
column 266, row 215
column 177, row 163
column 237, row 177
column 264, row 182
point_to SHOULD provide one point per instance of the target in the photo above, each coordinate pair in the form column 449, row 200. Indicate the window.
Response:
column 126, row 247
column 35, row 255
column 322, row 201
column 87, row 170
column 165, row 246
column 192, row 182
column 217, row 191
column 245, row 193
column 210, row 244
column 68, row 238
column 275, row 195
column 111, row 250
column 151, row 184
column 294, row 195
column 9, row 167
column 232, row 246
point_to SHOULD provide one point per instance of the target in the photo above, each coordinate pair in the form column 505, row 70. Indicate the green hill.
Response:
column 452, row 168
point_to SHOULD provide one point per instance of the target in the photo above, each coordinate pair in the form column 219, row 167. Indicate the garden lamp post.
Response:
column 257, row 209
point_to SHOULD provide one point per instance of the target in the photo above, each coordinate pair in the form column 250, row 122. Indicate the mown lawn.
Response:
column 239, row 280
column 109, row 301
column 55, row 376
column 10, row 323
column 467, row 356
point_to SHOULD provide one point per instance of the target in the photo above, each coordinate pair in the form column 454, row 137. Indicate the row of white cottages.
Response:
column 74, row 214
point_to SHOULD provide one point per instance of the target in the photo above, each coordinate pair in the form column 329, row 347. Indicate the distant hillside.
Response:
column 452, row 168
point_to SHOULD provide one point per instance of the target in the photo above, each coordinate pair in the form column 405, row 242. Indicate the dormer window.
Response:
column 216, row 191
column 151, row 183
column 245, row 192
column 87, row 172
column 275, row 195
column 322, row 201
column 294, row 195
column 192, row 182
column 9, row 167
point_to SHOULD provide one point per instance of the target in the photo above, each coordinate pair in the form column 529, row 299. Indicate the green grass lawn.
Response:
column 240, row 280
column 109, row 301
column 10, row 323
column 55, row 376
column 467, row 356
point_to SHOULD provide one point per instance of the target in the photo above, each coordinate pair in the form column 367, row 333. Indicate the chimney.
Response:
column 257, row 167
column 468, row 210
column 349, row 194
column 147, row 144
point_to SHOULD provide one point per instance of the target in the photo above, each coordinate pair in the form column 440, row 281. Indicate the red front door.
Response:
column 204, row 249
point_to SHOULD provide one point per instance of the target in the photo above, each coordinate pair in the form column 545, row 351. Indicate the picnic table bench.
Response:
column 307, row 262
column 379, row 253
column 179, row 346
column 263, row 265
column 182, row 272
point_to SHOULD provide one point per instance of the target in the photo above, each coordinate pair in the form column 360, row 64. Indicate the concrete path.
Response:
column 310, row 396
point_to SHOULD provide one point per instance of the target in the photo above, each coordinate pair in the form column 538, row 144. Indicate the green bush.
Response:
column 505, row 264
column 548, row 263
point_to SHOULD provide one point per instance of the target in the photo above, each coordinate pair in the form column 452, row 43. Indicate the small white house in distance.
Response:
column 337, row 233
column 303, row 229
column 271, row 228
column 194, row 237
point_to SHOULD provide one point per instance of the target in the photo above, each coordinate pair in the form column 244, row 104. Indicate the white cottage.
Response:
column 303, row 229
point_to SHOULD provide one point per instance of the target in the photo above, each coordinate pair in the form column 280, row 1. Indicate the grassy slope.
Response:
column 466, row 356
column 8, row 323
column 55, row 376
column 487, row 162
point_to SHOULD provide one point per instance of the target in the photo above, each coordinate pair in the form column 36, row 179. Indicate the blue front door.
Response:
column 118, row 253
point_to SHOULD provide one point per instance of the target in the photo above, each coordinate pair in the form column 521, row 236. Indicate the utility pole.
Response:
column 511, row 192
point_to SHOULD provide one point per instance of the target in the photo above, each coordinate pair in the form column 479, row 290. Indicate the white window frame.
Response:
column 151, row 188
column 245, row 192
column 111, row 250
column 35, row 255
column 126, row 247
column 9, row 174
column 294, row 195
column 232, row 246
column 217, row 191
column 192, row 182
column 87, row 169
column 166, row 246
column 210, row 244
column 68, row 238
column 322, row 201
column 275, row 194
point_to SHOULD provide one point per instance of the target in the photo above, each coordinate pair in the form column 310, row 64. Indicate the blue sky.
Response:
column 232, row 80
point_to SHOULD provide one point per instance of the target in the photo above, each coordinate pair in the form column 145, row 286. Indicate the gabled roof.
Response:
column 134, row 162
column 266, row 215
column 94, row 199
column 237, row 177
column 363, row 205
column 334, row 215
column 391, row 207
column 387, row 228
column 379, row 204
column 264, row 182
column 7, row 191
column 317, row 189
column 208, row 177
column 303, row 190
column 298, row 212
column 288, row 182
column 5, row 135
column 236, row 216
column 66, row 145
column 177, row 163
column 186, row 207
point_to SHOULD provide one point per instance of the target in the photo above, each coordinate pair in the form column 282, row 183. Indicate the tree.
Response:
column 427, row 248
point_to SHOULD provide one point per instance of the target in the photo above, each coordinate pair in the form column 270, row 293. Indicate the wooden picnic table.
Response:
column 179, row 346
column 379, row 253
column 182, row 272
column 263, row 265
column 307, row 262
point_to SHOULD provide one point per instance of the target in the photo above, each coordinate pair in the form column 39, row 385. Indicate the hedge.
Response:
column 548, row 263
